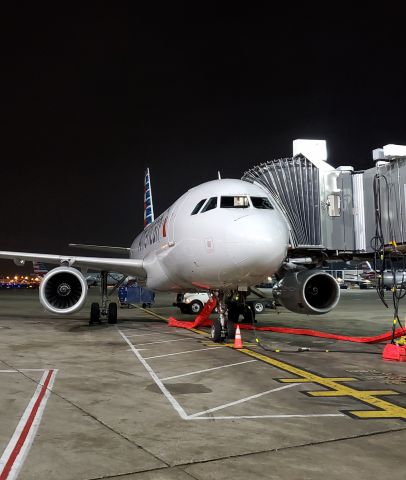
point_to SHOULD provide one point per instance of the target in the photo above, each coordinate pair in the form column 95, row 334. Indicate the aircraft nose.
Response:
column 258, row 242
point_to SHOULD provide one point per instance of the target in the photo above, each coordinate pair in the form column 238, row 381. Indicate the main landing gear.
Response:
column 107, row 309
column 222, row 327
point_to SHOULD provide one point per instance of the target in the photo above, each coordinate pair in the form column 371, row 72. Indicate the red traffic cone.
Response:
column 238, row 339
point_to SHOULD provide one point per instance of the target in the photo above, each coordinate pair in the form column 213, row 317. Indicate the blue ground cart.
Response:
column 130, row 294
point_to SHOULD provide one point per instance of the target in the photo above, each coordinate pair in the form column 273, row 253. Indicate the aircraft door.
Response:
column 172, row 218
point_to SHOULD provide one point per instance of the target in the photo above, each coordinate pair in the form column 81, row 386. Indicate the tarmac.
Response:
column 140, row 400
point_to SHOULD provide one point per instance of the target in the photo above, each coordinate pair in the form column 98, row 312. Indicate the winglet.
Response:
column 148, row 206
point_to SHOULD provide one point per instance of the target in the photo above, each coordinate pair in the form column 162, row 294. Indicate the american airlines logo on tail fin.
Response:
column 148, row 207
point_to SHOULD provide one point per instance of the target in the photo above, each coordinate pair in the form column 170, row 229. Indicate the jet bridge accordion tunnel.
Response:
column 337, row 209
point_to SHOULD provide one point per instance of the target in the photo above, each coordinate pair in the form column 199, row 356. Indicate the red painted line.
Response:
column 26, row 429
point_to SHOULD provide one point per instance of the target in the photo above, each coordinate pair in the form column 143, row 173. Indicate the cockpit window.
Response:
column 198, row 207
column 210, row 205
column 234, row 202
column 261, row 202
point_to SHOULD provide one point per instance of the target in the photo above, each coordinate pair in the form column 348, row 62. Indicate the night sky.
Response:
column 92, row 96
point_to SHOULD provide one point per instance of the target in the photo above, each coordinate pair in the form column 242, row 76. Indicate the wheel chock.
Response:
column 394, row 353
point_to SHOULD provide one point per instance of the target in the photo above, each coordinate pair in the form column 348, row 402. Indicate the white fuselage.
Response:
column 221, row 248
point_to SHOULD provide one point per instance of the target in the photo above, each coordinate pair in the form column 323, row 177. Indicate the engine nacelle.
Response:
column 308, row 291
column 63, row 290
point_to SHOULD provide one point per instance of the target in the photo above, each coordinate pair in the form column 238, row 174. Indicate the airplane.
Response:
column 222, row 236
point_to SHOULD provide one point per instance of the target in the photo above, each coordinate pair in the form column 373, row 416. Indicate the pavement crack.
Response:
column 82, row 410
column 156, row 469
column 291, row 447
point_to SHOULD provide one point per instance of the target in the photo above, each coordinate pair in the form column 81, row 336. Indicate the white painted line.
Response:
column 182, row 353
column 158, row 333
column 18, row 447
column 142, row 334
column 23, row 370
column 166, row 341
column 207, row 370
column 162, row 387
column 304, row 415
column 246, row 399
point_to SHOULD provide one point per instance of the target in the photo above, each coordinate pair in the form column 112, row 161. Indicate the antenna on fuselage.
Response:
column 219, row 174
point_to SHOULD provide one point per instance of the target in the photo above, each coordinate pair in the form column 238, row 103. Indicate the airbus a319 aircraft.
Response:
column 223, row 236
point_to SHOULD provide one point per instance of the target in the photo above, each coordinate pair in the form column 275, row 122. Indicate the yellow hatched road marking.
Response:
column 384, row 409
column 335, row 393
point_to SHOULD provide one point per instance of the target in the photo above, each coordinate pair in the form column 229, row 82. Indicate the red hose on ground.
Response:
column 202, row 320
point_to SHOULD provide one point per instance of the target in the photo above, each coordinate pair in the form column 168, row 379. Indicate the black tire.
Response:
column 249, row 314
column 230, row 329
column 112, row 315
column 144, row 305
column 216, row 331
column 196, row 307
column 94, row 313
column 233, row 312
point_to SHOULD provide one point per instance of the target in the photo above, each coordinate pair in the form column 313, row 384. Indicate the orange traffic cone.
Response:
column 238, row 339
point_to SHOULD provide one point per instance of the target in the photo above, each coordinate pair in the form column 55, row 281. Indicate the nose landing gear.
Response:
column 222, row 327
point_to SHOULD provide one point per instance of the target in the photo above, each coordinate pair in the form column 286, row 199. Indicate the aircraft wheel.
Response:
column 216, row 331
column 249, row 314
column 112, row 315
column 233, row 312
column 94, row 313
column 230, row 329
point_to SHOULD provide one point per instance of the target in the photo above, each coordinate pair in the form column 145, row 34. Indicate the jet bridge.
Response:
column 339, row 209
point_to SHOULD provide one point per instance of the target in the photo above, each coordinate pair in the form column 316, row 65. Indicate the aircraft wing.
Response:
column 122, row 265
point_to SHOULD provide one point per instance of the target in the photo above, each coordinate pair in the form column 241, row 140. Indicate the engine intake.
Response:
column 63, row 290
column 308, row 291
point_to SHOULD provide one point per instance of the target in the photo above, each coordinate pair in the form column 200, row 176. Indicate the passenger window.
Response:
column 261, row 202
column 210, row 205
column 234, row 202
column 198, row 207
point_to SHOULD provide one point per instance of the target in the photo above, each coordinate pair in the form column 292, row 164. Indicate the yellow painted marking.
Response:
column 384, row 409
column 150, row 312
column 304, row 380
column 334, row 393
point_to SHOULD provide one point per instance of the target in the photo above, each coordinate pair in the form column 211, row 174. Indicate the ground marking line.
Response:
column 20, row 443
column 383, row 408
column 23, row 370
column 182, row 353
column 150, row 312
column 166, row 341
column 242, row 400
column 154, row 377
column 207, row 370
column 304, row 415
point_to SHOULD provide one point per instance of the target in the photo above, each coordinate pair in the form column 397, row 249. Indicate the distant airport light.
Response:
column 315, row 150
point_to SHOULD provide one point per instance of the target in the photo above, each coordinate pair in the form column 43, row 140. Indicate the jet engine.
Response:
column 63, row 290
column 308, row 291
